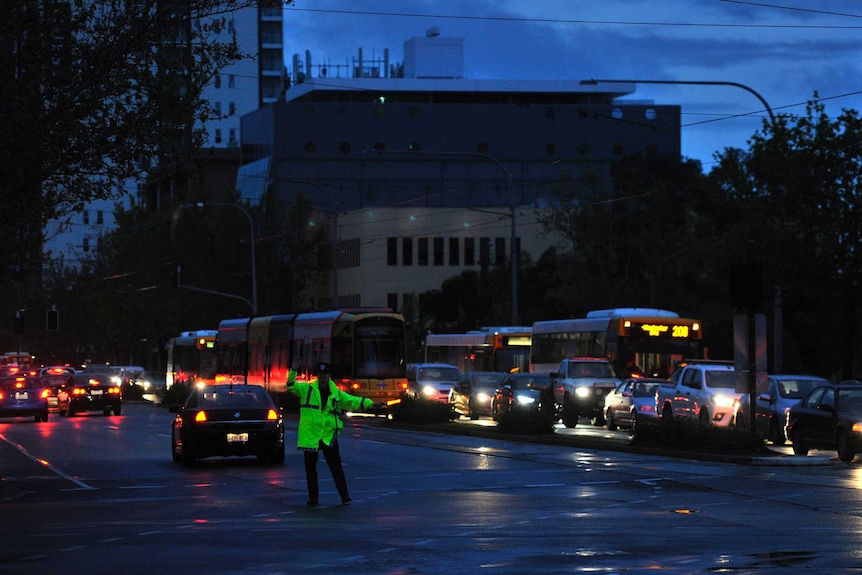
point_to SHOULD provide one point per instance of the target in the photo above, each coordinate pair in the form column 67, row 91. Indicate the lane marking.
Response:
column 47, row 465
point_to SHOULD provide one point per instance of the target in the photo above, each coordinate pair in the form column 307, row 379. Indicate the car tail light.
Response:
column 114, row 390
column 271, row 415
column 201, row 416
column 46, row 393
column 1, row 395
column 79, row 391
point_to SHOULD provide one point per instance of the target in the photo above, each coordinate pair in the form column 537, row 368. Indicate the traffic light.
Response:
column 18, row 325
column 177, row 277
column 52, row 320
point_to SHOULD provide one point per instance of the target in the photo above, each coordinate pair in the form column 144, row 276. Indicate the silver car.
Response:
column 782, row 392
column 631, row 403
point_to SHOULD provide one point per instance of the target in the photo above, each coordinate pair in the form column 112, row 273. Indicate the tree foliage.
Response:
column 96, row 90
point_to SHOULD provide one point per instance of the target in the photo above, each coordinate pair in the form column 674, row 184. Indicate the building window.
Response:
column 407, row 252
column 392, row 254
column 217, row 109
column 231, row 135
column 454, row 255
column 217, row 81
column 469, row 251
column 392, row 301
column 438, row 251
column 218, row 136
column 500, row 251
column 423, row 252
column 86, row 246
column 231, row 108
column 100, row 217
column 231, row 81
column 86, row 217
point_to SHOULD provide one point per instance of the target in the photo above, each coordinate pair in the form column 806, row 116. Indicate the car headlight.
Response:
column 483, row 397
column 583, row 392
column 429, row 391
column 723, row 400
column 525, row 399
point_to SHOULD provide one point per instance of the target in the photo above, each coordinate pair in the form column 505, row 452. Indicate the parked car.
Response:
column 227, row 420
column 89, row 392
column 829, row 417
column 472, row 393
column 23, row 396
column 782, row 392
column 525, row 402
column 53, row 379
column 432, row 380
column 632, row 403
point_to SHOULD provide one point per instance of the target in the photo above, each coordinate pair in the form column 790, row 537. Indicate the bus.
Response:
column 191, row 358
column 365, row 349
column 505, row 349
column 638, row 341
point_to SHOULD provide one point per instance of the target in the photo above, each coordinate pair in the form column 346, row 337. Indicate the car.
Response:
column 53, row 379
column 632, row 403
column 525, row 402
column 829, row 417
column 23, row 396
column 227, row 420
column 431, row 380
column 472, row 393
column 782, row 392
column 89, row 392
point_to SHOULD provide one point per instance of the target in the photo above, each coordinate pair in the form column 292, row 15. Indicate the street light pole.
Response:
column 751, row 366
column 253, row 301
column 511, row 193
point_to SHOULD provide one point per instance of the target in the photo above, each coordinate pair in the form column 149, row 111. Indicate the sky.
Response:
column 782, row 50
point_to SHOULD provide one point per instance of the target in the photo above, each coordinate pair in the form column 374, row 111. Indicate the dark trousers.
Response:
column 333, row 460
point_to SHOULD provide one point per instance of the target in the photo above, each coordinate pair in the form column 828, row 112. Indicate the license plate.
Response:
column 237, row 437
column 21, row 395
column 96, row 392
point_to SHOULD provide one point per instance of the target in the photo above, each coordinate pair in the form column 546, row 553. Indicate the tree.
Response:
column 92, row 93
column 801, row 185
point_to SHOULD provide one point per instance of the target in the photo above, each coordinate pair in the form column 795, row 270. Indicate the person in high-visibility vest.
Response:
column 321, row 404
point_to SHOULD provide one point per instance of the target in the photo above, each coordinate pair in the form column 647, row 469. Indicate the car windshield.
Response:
column 645, row 389
column 850, row 400
column 589, row 369
column 439, row 374
column 722, row 378
column 487, row 380
column 228, row 397
column 521, row 383
column 797, row 388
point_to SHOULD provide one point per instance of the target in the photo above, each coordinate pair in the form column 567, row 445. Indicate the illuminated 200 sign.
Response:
column 664, row 330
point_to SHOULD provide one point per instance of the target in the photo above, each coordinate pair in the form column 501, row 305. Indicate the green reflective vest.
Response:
column 316, row 424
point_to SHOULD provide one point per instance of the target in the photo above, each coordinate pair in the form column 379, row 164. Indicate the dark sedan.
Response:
column 524, row 402
column 227, row 420
column 829, row 417
column 472, row 393
column 89, row 392
column 23, row 396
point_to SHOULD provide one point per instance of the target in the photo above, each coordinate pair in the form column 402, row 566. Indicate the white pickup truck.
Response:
column 580, row 387
column 701, row 390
